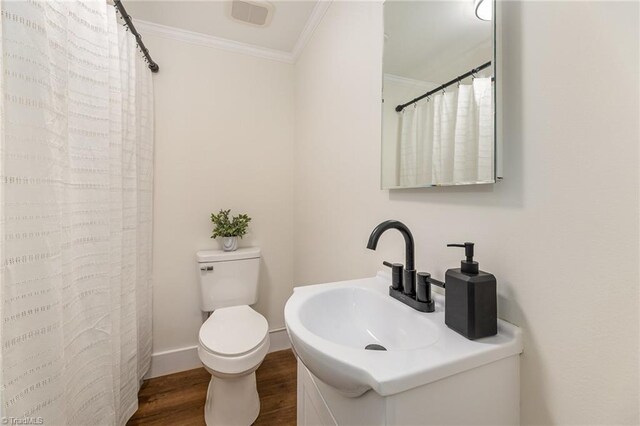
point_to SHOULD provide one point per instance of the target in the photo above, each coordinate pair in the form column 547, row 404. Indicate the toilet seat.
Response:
column 233, row 340
column 233, row 331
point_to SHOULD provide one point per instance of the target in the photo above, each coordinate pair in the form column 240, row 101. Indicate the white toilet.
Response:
column 234, row 340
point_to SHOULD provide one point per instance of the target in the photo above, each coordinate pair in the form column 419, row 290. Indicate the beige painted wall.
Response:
column 560, row 233
column 224, row 139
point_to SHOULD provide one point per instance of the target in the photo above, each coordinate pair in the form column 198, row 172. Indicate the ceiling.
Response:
column 212, row 18
column 431, row 40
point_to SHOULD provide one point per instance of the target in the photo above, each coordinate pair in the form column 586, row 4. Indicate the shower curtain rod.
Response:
column 399, row 108
column 129, row 24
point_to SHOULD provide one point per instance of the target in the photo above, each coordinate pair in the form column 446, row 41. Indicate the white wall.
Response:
column 560, row 233
column 224, row 139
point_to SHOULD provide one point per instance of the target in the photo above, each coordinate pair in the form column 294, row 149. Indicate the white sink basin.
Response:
column 355, row 317
column 330, row 324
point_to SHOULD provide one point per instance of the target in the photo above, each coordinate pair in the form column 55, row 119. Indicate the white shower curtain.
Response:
column 448, row 139
column 76, row 154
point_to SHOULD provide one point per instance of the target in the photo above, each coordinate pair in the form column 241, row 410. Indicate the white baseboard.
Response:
column 183, row 359
column 279, row 340
column 173, row 361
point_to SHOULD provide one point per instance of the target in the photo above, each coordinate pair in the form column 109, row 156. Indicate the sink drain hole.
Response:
column 375, row 347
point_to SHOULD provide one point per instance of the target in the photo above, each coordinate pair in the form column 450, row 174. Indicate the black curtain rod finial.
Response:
column 129, row 24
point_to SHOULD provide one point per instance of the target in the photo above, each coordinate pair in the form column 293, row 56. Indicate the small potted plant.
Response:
column 229, row 228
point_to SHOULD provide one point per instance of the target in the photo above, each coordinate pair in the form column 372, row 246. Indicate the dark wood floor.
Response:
column 178, row 399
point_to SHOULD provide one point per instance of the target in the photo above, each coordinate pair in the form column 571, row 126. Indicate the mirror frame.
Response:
column 497, row 109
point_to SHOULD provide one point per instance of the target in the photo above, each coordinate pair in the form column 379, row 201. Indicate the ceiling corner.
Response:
column 306, row 34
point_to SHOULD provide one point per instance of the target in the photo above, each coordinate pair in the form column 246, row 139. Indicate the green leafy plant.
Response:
column 224, row 226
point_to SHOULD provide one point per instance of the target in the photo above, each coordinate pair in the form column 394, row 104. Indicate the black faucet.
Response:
column 403, row 279
column 408, row 239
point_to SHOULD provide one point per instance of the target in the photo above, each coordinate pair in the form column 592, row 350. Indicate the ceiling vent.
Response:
column 252, row 12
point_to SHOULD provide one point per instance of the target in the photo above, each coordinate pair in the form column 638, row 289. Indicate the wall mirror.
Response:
column 439, row 94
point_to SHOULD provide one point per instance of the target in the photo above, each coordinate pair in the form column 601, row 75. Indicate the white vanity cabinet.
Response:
column 427, row 375
column 486, row 395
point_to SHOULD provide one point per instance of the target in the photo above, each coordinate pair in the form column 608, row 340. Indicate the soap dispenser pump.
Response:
column 467, row 266
column 470, row 302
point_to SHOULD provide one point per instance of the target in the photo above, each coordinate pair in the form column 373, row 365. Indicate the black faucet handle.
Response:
column 423, row 291
column 396, row 274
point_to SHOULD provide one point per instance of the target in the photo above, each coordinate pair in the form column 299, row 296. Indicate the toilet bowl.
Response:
column 233, row 342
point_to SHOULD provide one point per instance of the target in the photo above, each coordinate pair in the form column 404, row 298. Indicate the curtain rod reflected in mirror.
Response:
column 458, row 79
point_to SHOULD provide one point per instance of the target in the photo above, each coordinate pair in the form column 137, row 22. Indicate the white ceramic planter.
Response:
column 229, row 243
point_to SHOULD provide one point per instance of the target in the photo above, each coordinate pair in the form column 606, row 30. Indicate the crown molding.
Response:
column 319, row 10
column 206, row 40
column 405, row 81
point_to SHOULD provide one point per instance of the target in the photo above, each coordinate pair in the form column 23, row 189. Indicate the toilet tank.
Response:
column 228, row 278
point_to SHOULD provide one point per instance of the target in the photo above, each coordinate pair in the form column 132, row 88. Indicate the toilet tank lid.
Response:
column 206, row 256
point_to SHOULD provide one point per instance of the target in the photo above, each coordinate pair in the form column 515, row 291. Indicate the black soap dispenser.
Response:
column 470, row 302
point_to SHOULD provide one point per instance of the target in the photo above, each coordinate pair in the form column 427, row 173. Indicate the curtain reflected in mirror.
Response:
column 438, row 90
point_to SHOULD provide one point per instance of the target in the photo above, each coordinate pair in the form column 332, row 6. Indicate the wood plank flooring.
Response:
column 178, row 399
